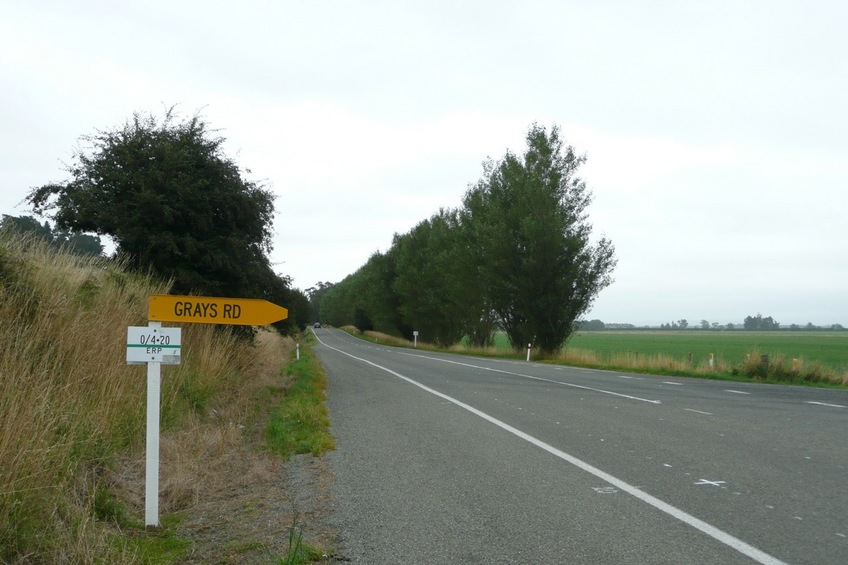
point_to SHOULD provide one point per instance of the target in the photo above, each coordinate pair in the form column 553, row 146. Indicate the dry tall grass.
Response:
column 71, row 407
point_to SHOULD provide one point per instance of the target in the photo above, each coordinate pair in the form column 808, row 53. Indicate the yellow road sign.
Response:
column 212, row 310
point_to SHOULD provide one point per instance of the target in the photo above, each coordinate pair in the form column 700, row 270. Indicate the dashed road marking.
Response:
column 605, row 490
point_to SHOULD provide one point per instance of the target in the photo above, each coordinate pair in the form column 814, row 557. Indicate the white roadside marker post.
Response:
column 151, row 472
column 529, row 347
column 153, row 345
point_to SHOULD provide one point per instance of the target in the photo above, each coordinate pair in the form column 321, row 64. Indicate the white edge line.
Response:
column 736, row 391
column 715, row 533
column 826, row 404
column 698, row 411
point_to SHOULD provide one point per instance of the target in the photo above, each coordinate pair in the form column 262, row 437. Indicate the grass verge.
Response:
column 301, row 423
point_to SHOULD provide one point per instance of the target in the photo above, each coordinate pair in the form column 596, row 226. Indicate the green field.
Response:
column 828, row 348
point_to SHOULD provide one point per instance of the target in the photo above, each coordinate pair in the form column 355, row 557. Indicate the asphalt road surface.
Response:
column 455, row 459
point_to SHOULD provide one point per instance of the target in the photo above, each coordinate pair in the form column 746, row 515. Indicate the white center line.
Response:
column 736, row 391
column 671, row 383
column 699, row 411
column 710, row 530
column 535, row 378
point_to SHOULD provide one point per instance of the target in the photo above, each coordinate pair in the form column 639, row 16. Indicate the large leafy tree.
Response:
column 172, row 201
column 528, row 230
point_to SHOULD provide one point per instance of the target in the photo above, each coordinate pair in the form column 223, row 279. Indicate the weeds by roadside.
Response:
column 300, row 551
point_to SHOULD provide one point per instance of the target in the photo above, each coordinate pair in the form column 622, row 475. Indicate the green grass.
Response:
column 159, row 546
column 828, row 348
column 301, row 424
column 300, row 551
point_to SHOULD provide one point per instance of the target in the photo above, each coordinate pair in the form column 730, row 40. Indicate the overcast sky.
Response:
column 716, row 132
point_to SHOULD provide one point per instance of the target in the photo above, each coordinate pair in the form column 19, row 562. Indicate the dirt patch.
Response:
column 250, row 520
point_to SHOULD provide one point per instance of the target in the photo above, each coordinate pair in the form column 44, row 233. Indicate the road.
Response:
column 455, row 459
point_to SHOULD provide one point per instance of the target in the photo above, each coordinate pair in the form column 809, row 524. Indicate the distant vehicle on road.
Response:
column 317, row 325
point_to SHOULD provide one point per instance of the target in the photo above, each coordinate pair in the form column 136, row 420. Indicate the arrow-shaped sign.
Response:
column 212, row 310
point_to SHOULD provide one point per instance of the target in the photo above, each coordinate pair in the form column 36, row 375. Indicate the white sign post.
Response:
column 155, row 346
column 415, row 337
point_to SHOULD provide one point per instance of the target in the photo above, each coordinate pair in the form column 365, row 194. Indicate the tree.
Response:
column 529, row 230
column 27, row 225
column 300, row 311
column 592, row 326
column 377, row 300
column 316, row 294
column 78, row 243
column 366, row 299
column 759, row 323
column 336, row 307
column 172, row 202
column 74, row 242
column 426, row 284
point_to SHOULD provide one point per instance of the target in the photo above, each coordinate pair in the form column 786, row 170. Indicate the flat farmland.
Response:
column 730, row 347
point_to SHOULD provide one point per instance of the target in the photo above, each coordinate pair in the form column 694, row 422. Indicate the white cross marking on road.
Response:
column 713, row 483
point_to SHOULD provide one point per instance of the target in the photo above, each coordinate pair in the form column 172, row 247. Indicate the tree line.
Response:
column 176, row 206
column 516, row 256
